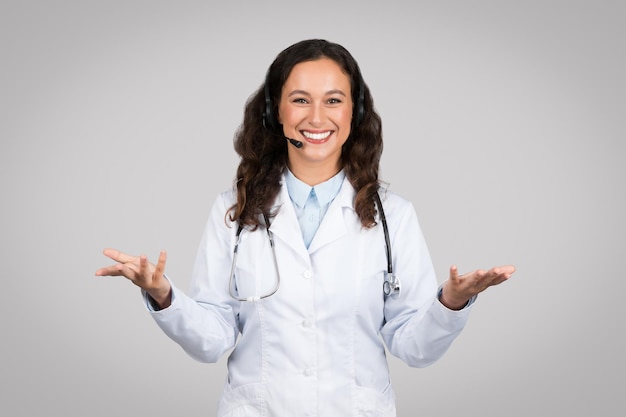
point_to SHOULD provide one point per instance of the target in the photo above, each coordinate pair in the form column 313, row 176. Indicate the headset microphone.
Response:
column 298, row 144
column 294, row 142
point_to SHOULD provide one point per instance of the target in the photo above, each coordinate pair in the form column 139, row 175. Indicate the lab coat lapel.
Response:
column 285, row 225
column 333, row 224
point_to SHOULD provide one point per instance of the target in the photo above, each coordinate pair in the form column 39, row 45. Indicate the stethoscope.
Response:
column 391, row 284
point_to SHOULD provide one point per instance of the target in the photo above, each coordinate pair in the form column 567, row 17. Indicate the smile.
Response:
column 316, row 136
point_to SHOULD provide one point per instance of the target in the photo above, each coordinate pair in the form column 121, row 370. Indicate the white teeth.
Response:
column 316, row 136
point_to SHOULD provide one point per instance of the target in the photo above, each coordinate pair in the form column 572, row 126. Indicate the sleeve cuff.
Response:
column 151, row 305
column 467, row 305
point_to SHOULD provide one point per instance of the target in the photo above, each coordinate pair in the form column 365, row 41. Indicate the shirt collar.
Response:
column 325, row 192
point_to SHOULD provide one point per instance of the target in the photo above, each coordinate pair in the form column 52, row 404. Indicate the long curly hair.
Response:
column 264, row 156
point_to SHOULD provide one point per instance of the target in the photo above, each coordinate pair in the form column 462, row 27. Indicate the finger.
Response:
column 160, row 266
column 118, row 256
column 495, row 276
column 130, row 271
column 108, row 271
column 116, row 271
column 501, row 273
column 494, row 281
column 504, row 269
column 505, row 275
column 508, row 269
column 144, row 271
column 475, row 276
column 454, row 274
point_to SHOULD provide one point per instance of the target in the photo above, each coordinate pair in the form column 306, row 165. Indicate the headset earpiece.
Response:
column 269, row 122
column 359, row 109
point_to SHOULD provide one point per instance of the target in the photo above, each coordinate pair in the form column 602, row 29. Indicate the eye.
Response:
column 300, row 100
column 334, row 101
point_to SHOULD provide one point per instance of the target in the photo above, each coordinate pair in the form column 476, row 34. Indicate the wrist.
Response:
column 450, row 302
column 161, row 298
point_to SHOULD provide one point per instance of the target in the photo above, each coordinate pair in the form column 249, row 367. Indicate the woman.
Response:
column 312, row 297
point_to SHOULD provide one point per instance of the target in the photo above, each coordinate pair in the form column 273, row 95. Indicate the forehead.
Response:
column 321, row 73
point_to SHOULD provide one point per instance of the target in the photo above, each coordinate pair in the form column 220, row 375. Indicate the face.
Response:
column 316, row 109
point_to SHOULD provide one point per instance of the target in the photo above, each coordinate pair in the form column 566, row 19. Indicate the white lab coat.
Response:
column 314, row 348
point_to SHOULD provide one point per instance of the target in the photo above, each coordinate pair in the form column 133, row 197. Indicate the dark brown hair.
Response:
column 264, row 156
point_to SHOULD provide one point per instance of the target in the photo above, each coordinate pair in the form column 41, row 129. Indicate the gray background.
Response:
column 503, row 123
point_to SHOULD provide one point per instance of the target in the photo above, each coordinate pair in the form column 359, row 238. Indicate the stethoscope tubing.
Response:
column 391, row 284
column 232, row 268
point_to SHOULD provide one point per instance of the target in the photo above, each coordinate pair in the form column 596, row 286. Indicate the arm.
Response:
column 205, row 323
column 420, row 326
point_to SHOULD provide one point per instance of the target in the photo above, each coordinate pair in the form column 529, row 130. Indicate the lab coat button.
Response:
column 307, row 323
column 308, row 372
column 307, row 274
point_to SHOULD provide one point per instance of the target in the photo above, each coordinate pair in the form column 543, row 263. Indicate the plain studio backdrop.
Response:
column 503, row 123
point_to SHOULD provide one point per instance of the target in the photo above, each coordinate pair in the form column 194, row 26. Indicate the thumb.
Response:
column 160, row 266
column 454, row 273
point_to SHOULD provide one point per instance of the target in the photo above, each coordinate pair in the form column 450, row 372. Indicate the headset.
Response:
column 271, row 122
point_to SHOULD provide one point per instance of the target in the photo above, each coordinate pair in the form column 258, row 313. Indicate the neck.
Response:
column 313, row 175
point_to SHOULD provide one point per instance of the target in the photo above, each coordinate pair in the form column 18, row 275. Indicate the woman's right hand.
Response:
column 142, row 273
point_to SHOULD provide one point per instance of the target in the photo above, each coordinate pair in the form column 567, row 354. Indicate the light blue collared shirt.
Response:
column 311, row 203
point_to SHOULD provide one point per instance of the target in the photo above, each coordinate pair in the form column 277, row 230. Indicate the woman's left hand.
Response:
column 458, row 289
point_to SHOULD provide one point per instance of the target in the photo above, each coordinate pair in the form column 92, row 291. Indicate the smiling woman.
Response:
column 316, row 106
column 316, row 290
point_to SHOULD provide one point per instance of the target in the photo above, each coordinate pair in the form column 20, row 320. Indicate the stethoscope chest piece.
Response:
column 391, row 285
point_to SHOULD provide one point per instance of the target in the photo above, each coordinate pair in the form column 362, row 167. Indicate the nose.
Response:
column 317, row 114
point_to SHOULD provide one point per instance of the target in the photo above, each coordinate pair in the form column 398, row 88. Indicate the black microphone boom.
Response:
column 294, row 142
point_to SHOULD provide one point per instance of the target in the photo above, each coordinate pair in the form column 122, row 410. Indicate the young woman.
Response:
column 308, row 267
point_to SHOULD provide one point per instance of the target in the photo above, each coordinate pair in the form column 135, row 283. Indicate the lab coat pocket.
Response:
column 373, row 403
column 243, row 401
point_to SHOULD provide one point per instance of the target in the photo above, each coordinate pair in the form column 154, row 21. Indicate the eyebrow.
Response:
column 302, row 92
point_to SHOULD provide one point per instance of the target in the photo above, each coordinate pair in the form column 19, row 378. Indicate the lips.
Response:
column 316, row 136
